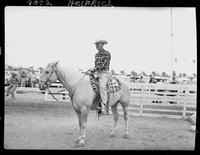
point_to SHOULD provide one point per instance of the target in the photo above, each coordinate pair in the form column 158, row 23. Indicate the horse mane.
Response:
column 74, row 73
column 70, row 74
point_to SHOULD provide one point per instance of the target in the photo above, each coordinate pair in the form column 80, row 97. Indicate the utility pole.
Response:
column 171, row 37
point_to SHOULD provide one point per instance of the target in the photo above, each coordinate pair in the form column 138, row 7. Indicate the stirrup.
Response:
column 101, row 110
column 103, row 106
column 98, row 108
column 104, row 109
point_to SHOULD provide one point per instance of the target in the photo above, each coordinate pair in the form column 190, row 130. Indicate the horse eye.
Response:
column 47, row 72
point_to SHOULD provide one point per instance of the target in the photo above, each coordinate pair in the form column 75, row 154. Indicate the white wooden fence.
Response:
column 152, row 100
column 166, row 100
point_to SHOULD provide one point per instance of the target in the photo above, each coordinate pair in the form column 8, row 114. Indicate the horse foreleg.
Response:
column 116, row 118
column 82, row 117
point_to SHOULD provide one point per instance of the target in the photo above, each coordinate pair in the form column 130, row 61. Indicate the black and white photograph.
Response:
column 100, row 78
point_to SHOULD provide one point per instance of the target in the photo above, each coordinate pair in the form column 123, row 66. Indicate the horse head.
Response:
column 48, row 76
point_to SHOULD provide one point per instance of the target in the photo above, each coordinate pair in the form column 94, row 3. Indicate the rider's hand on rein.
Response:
column 90, row 72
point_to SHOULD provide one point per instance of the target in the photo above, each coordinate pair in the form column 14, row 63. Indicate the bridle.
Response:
column 73, row 88
column 48, row 80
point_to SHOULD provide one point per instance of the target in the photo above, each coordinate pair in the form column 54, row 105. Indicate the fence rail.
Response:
column 154, row 100
column 59, row 93
column 162, row 100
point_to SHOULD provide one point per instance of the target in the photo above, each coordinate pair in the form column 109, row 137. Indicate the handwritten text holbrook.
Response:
column 89, row 3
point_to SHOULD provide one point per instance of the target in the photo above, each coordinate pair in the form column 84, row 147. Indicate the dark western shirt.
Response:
column 102, row 60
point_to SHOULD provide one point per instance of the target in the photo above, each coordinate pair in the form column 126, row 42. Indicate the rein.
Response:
column 71, row 91
column 48, row 87
column 52, row 95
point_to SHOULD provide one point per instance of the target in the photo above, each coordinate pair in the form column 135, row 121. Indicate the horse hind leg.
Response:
column 125, row 111
column 116, row 118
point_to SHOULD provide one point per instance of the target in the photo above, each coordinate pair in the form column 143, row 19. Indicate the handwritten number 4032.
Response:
column 39, row 2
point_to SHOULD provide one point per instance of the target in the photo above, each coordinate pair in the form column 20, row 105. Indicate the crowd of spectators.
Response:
column 20, row 78
column 160, row 79
column 25, row 78
column 30, row 78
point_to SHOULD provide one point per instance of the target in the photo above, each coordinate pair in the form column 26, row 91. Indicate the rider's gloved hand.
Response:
column 90, row 71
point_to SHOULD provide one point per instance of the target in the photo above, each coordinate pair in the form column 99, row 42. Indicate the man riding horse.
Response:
column 82, row 93
column 102, row 62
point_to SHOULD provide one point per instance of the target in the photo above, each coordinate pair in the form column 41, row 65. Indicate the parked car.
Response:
column 186, row 81
column 56, row 84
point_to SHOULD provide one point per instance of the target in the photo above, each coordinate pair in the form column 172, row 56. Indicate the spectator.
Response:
column 23, row 79
column 14, row 80
column 37, row 75
column 152, row 79
column 33, row 80
column 7, row 77
column 174, row 81
column 141, row 79
column 28, row 80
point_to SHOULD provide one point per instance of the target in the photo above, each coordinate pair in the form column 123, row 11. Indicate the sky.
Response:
column 139, row 39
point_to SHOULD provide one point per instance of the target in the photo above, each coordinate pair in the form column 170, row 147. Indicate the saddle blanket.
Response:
column 113, row 84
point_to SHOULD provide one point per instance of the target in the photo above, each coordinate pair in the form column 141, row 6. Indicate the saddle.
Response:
column 113, row 86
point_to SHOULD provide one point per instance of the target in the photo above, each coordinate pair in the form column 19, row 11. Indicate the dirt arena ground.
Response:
column 32, row 123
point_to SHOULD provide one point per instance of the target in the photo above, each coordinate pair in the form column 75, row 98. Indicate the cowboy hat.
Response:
column 101, row 41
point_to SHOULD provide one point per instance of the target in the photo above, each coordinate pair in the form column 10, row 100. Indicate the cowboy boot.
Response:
column 103, row 108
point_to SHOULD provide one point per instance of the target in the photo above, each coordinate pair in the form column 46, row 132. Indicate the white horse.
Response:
column 83, row 96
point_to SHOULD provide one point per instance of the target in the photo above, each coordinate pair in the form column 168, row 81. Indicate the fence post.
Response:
column 179, row 93
column 185, row 102
column 149, row 93
column 141, row 99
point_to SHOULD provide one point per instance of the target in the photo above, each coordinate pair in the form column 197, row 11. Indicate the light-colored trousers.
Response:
column 23, row 82
column 11, row 90
column 103, row 79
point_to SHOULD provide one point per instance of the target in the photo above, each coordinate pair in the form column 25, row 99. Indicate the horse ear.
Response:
column 56, row 63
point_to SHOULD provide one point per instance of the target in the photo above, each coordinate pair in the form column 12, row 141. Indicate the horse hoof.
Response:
column 112, row 136
column 126, row 137
column 78, row 139
column 80, row 143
